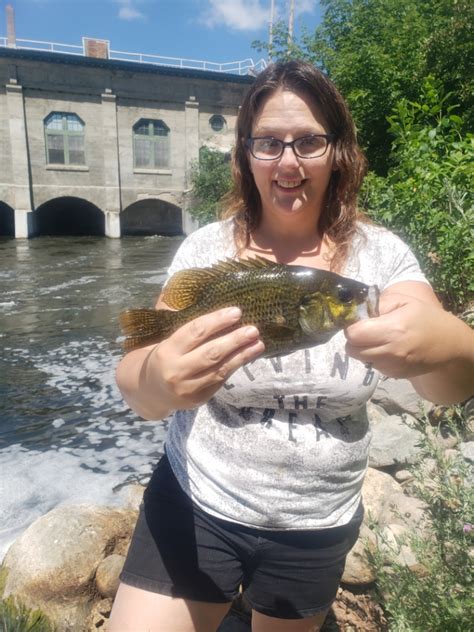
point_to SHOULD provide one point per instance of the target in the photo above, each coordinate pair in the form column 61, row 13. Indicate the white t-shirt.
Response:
column 284, row 443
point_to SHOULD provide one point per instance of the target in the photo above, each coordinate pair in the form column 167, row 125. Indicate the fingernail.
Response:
column 251, row 332
column 233, row 312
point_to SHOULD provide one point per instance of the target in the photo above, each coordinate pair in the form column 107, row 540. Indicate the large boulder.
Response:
column 385, row 502
column 395, row 513
column 52, row 565
column 394, row 441
column 358, row 570
column 377, row 492
column 394, row 543
column 397, row 396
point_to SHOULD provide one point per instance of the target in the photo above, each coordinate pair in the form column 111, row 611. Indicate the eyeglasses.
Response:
column 269, row 148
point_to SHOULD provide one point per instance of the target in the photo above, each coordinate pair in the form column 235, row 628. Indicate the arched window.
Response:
column 151, row 144
column 217, row 123
column 64, row 139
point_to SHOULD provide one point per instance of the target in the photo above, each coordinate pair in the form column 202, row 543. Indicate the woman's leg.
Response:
column 137, row 610
column 262, row 623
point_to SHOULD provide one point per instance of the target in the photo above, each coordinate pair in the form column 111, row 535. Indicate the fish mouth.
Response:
column 370, row 307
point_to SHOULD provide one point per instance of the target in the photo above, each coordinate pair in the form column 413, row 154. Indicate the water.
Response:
column 66, row 436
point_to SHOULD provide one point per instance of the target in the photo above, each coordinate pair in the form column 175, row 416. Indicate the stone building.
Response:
column 99, row 146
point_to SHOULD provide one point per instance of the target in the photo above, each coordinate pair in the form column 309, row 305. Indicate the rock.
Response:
column 99, row 616
column 402, row 476
column 393, row 442
column 358, row 570
column 386, row 503
column 467, row 450
column 377, row 490
column 399, row 396
column 51, row 566
column 375, row 413
column 107, row 575
column 394, row 544
column 443, row 437
column 469, row 417
column 404, row 510
column 134, row 495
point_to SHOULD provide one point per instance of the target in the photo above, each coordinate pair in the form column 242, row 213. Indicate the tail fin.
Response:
column 145, row 326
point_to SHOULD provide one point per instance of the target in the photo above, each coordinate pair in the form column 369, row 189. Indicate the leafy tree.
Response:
column 211, row 180
column 427, row 196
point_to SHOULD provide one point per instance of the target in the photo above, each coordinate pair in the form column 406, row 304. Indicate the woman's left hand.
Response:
column 414, row 337
column 404, row 340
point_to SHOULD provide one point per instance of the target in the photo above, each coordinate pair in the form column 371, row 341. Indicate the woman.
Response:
column 265, row 458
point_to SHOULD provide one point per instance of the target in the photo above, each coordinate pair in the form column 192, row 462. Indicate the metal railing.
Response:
column 242, row 67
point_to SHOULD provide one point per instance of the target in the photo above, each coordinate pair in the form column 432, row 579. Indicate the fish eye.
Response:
column 344, row 294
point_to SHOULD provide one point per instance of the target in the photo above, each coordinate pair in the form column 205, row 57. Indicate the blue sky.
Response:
column 209, row 30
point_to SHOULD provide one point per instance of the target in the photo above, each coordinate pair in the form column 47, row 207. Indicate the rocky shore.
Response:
column 67, row 563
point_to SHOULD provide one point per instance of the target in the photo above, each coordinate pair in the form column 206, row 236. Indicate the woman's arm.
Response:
column 187, row 368
column 415, row 338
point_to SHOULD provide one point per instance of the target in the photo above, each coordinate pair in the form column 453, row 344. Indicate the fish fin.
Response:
column 237, row 265
column 184, row 287
column 145, row 326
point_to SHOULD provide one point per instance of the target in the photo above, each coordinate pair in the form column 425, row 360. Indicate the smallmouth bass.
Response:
column 292, row 306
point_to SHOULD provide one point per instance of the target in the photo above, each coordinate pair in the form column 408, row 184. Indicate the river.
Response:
column 66, row 436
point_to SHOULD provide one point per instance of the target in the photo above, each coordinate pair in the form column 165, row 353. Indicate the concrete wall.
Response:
column 109, row 97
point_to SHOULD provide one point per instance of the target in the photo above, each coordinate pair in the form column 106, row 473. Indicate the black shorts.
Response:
column 179, row 550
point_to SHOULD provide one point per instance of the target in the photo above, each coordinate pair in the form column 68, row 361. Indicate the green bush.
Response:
column 17, row 618
column 427, row 196
column 211, row 180
column 437, row 595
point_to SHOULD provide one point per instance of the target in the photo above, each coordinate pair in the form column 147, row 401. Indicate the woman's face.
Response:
column 290, row 186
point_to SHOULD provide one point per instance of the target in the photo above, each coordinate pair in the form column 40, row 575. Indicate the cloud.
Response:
column 250, row 15
column 128, row 11
column 240, row 15
column 305, row 6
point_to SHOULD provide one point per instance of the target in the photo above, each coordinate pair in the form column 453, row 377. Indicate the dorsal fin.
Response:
column 184, row 287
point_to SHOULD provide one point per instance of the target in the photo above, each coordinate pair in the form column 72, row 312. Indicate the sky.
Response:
column 208, row 30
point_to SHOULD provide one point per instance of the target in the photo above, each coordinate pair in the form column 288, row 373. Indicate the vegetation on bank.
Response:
column 17, row 618
column 435, row 594
column 428, row 193
column 211, row 180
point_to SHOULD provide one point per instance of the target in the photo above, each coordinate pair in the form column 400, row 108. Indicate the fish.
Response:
column 293, row 307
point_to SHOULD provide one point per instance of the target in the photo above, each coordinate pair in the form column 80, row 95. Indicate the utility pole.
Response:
column 270, row 29
column 291, row 19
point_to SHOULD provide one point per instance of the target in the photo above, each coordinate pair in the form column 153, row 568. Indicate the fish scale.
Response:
column 262, row 298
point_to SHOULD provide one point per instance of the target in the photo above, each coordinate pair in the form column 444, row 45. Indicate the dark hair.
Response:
column 338, row 219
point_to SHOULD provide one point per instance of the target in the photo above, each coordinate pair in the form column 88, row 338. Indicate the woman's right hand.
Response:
column 187, row 368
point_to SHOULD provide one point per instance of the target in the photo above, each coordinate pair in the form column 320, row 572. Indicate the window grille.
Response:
column 65, row 138
column 151, row 144
column 217, row 123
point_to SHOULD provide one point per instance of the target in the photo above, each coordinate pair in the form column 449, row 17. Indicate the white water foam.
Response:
column 67, row 284
column 103, row 452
